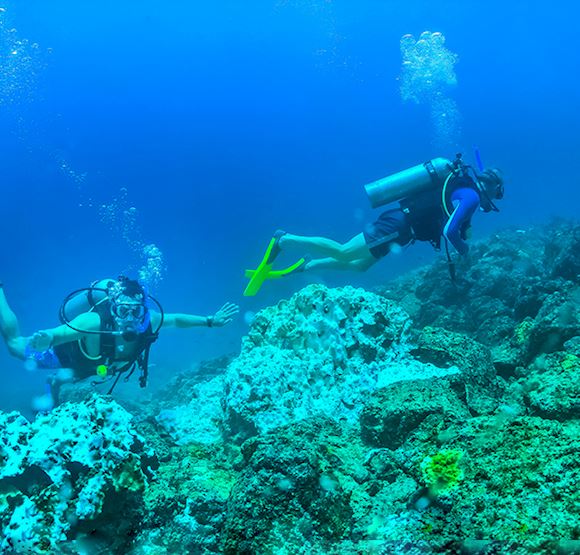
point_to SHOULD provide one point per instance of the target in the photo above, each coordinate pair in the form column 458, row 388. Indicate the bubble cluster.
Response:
column 78, row 179
column 329, row 53
column 428, row 67
column 71, row 174
column 427, row 75
column 43, row 403
column 249, row 317
column 122, row 220
column 64, row 375
column 21, row 62
column 153, row 269
column 446, row 123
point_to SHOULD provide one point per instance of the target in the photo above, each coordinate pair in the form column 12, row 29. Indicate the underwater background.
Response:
column 388, row 412
column 221, row 122
column 200, row 128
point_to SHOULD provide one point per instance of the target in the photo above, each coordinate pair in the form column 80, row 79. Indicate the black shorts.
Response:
column 390, row 228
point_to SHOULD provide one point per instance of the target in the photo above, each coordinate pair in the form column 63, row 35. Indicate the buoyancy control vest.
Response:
column 424, row 193
column 73, row 355
column 429, row 211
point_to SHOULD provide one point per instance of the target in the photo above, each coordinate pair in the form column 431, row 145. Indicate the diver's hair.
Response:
column 129, row 287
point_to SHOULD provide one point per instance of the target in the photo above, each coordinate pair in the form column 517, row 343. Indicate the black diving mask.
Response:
column 131, row 318
column 128, row 311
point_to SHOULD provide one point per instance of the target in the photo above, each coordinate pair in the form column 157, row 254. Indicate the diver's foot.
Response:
column 276, row 249
column 306, row 259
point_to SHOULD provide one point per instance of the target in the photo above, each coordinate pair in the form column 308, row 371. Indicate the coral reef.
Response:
column 186, row 505
column 293, row 485
column 442, row 420
column 391, row 414
column 319, row 353
column 67, row 473
column 517, row 292
column 425, row 417
column 441, row 471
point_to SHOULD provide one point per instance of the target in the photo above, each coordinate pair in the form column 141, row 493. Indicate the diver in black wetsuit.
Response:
column 437, row 201
column 107, row 330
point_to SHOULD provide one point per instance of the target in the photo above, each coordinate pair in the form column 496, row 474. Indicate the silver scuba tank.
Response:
column 85, row 300
column 408, row 182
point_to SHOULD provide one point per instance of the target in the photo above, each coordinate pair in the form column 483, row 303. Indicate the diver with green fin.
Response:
column 436, row 199
column 106, row 331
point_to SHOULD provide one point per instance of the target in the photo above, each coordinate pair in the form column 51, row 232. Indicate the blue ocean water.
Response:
column 202, row 127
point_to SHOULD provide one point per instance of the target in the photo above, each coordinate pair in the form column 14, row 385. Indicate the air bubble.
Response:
column 43, row 403
column 20, row 63
column 30, row 365
column 249, row 317
column 427, row 76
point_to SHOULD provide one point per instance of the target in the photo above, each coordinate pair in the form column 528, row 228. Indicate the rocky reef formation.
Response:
column 69, row 474
column 319, row 353
column 517, row 292
column 425, row 417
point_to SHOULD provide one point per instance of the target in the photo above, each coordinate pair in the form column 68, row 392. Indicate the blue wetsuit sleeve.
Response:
column 465, row 202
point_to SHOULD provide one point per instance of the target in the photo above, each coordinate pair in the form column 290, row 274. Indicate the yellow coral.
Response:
column 570, row 362
column 522, row 528
column 441, row 471
column 522, row 331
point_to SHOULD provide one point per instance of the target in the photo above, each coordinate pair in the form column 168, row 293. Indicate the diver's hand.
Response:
column 464, row 262
column 466, row 232
column 225, row 315
column 41, row 341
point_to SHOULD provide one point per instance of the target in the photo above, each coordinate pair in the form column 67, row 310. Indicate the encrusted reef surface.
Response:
column 424, row 417
column 70, row 475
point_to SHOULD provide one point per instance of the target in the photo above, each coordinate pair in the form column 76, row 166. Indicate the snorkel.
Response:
column 478, row 161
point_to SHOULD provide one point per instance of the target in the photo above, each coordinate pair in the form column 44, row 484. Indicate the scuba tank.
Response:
column 409, row 182
column 84, row 300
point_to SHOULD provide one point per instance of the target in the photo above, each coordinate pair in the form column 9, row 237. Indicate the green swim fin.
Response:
column 264, row 271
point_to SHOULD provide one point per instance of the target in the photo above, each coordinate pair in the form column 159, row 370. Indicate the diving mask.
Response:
column 128, row 311
column 131, row 317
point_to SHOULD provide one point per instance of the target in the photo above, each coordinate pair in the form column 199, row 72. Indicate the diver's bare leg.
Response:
column 360, row 265
column 355, row 249
column 10, row 329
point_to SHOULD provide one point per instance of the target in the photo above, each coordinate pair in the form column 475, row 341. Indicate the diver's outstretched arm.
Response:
column 176, row 320
column 10, row 329
column 44, row 339
column 466, row 203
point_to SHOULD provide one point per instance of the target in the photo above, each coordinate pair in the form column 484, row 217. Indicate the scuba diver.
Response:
column 106, row 331
column 437, row 200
